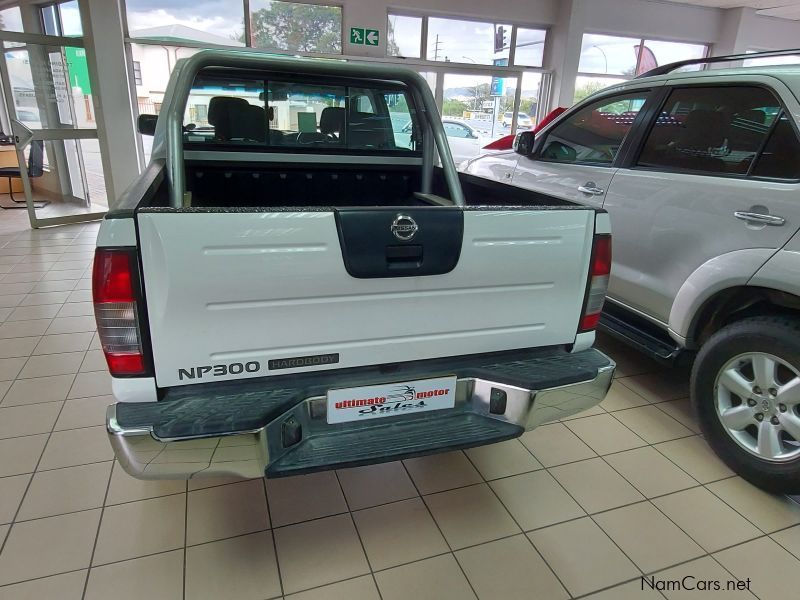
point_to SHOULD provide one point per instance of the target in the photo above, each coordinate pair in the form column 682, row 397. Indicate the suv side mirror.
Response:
column 523, row 143
column 147, row 124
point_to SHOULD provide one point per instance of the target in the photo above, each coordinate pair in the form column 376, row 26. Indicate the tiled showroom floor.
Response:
column 571, row 509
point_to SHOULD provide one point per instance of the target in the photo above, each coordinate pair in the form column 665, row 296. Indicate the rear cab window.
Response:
column 723, row 130
column 249, row 113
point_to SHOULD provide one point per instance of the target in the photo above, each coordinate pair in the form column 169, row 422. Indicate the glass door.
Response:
column 48, row 99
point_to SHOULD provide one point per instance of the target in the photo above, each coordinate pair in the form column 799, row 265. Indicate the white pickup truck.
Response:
column 288, row 289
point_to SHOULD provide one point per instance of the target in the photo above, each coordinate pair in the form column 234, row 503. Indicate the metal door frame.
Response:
column 24, row 136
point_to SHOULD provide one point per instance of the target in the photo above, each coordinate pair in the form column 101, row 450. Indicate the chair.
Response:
column 35, row 167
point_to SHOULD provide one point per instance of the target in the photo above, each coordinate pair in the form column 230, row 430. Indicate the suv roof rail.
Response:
column 668, row 68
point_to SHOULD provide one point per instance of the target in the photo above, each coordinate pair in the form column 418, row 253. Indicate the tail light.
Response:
column 116, row 311
column 599, row 270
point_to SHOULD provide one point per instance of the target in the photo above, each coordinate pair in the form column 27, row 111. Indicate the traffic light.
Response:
column 500, row 39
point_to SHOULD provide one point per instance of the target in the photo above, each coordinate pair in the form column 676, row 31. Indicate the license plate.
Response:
column 391, row 399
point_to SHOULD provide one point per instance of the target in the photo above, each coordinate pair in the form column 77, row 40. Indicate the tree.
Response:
column 392, row 48
column 295, row 27
column 479, row 94
column 453, row 108
column 587, row 89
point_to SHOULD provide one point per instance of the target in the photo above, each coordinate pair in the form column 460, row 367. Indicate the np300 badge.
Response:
column 404, row 227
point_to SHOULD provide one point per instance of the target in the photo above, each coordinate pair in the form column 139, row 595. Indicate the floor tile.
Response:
column 83, row 412
column 76, row 309
column 627, row 591
column 20, row 455
column 159, row 576
column 775, row 573
column 555, row 445
column 226, row 511
column 438, row 578
column 682, row 411
column 66, row 342
column 48, row 546
column 29, row 419
column 766, row 511
column 12, row 489
column 620, row 397
column 604, row 434
column 15, row 329
column 41, row 389
column 141, row 528
column 788, row 538
column 702, row 569
column 502, row 459
column 693, row 455
column 582, row 556
column 10, row 367
column 76, row 447
column 652, row 424
column 647, row 537
column 358, row 588
column 470, row 515
column 67, row 586
column 243, row 567
column 441, row 472
column 18, row 347
column 40, row 311
column 94, row 360
column 665, row 384
column 398, row 533
column 375, row 484
column 52, row 364
column 318, row 552
column 65, row 490
column 595, row 485
column 10, row 300
column 124, row 488
column 509, row 569
column 97, row 383
column 708, row 521
column 72, row 325
column 44, row 297
column 650, row 472
column 536, row 500
column 304, row 497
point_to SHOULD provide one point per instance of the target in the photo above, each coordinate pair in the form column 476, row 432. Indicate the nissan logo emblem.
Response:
column 404, row 227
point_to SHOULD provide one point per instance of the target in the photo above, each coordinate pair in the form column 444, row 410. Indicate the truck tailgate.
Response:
column 236, row 294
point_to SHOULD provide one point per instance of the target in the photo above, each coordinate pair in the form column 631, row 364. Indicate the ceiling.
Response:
column 784, row 9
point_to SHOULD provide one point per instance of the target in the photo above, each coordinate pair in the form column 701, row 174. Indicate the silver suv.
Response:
column 700, row 173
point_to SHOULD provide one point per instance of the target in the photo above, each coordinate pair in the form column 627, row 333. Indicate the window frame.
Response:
column 644, row 113
column 664, row 94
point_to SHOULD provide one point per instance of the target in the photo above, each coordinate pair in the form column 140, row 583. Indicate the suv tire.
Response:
column 752, row 440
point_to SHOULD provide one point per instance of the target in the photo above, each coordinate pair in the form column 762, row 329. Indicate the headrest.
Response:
column 704, row 129
column 332, row 120
column 219, row 107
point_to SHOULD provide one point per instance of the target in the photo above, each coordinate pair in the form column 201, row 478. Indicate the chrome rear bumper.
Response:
column 249, row 453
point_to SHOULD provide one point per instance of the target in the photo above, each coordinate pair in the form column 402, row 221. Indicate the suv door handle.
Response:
column 752, row 217
column 591, row 189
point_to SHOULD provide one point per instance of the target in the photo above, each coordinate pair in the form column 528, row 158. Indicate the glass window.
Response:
column 137, row 72
column 767, row 61
column 657, row 54
column 404, row 36
column 608, row 55
column 530, row 47
column 174, row 21
column 11, row 19
column 585, row 86
column 780, row 158
column 594, row 134
column 226, row 111
column 70, row 19
column 710, row 129
column 451, row 40
column 296, row 27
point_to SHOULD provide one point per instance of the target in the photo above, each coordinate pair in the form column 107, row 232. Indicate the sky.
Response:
column 220, row 18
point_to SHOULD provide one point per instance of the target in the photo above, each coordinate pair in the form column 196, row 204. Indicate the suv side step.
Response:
column 641, row 337
column 336, row 449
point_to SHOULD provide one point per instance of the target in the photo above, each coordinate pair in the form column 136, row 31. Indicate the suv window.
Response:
column 229, row 110
column 595, row 133
column 716, row 130
column 456, row 130
column 780, row 158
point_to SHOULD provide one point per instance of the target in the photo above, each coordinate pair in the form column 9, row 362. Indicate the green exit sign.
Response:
column 364, row 37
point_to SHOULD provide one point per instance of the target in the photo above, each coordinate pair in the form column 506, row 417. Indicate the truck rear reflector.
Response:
column 599, row 270
column 116, row 310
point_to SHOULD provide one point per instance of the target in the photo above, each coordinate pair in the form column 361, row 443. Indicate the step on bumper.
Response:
column 152, row 451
